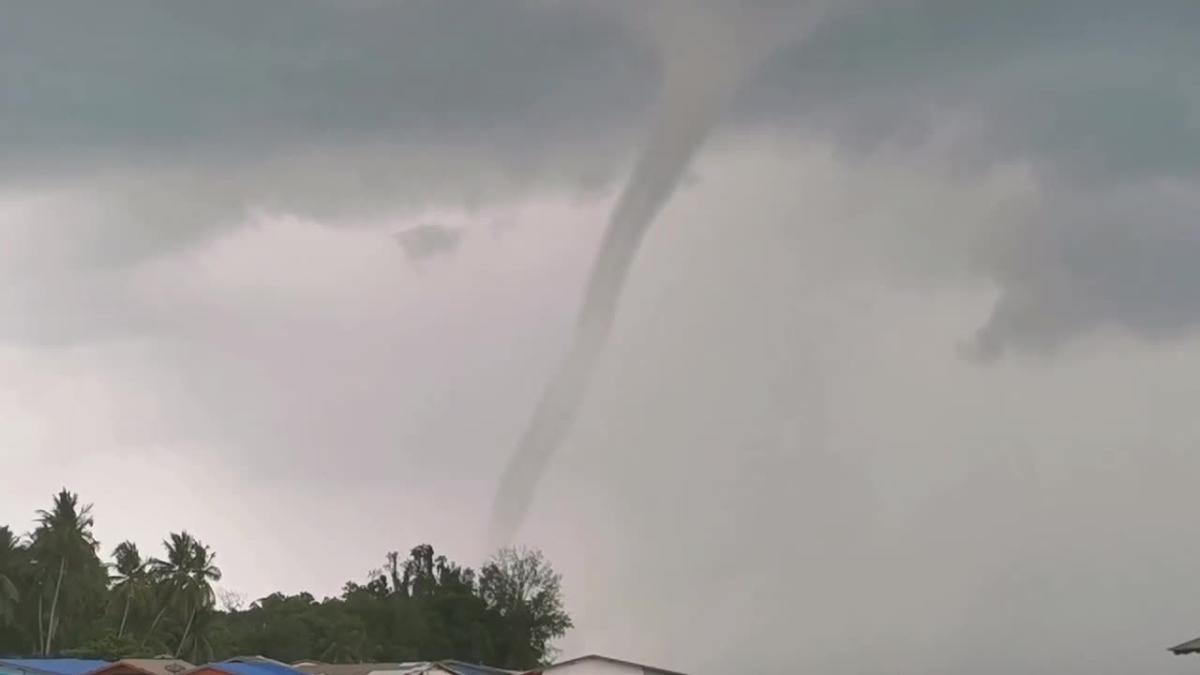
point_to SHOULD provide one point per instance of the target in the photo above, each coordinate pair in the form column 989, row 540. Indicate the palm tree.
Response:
column 10, row 548
column 198, row 589
column 62, row 542
column 169, row 574
column 186, row 575
column 130, row 579
column 197, row 644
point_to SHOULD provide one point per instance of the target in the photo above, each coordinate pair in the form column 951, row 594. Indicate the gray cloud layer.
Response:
column 354, row 108
column 1097, row 98
column 185, row 81
column 428, row 241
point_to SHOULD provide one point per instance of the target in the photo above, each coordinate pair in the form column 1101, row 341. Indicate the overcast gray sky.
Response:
column 903, row 380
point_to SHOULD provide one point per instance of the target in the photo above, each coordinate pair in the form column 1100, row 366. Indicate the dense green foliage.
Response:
column 57, row 597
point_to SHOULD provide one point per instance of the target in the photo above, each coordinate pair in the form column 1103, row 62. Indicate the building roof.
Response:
column 346, row 668
column 461, row 668
column 651, row 670
column 147, row 666
column 250, row 665
column 54, row 666
column 407, row 668
column 1189, row 647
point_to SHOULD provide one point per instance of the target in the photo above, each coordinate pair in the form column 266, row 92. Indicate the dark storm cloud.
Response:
column 181, row 81
column 1100, row 99
column 175, row 119
column 1125, row 260
column 333, row 110
column 428, row 241
column 1095, row 89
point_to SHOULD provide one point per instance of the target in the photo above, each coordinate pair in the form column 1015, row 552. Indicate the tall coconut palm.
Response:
column 169, row 575
column 185, row 577
column 130, row 579
column 10, row 549
column 198, row 590
column 62, row 545
column 197, row 645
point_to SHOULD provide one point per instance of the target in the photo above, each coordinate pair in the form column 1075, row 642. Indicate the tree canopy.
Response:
column 58, row 598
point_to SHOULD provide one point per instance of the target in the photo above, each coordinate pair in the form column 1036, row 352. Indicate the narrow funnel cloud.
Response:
column 706, row 51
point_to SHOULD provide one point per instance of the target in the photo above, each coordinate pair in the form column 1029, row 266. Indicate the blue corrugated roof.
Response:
column 55, row 666
column 470, row 668
column 254, row 668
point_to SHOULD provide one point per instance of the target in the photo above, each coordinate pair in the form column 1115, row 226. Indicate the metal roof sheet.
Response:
column 55, row 666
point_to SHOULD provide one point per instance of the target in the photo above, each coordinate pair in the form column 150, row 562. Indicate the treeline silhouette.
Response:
column 59, row 598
